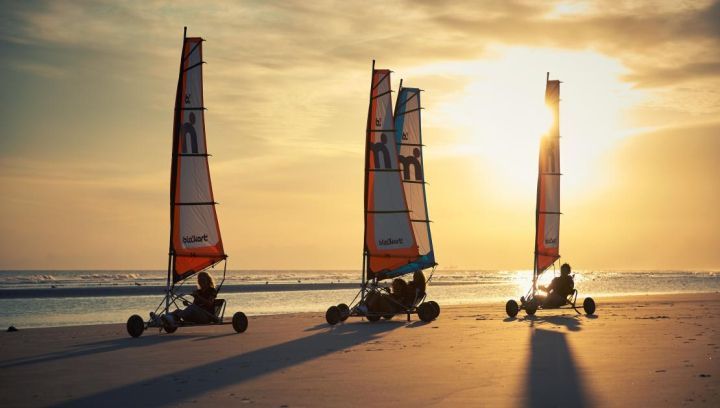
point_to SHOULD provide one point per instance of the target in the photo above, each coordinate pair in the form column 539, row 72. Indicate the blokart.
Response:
column 547, row 219
column 195, row 241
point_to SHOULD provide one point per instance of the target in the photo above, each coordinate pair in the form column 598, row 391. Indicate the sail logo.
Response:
column 390, row 241
column 409, row 163
column 380, row 150
column 194, row 239
column 188, row 135
column 404, row 135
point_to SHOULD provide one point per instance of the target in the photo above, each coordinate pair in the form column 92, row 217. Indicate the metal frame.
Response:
column 373, row 286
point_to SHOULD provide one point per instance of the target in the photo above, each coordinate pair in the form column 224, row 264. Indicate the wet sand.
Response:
column 657, row 350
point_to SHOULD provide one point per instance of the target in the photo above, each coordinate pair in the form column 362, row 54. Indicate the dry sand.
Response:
column 659, row 350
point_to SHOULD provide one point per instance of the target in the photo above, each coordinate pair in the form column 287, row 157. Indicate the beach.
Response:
column 653, row 350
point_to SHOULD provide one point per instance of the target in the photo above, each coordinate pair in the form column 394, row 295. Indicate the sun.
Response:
column 500, row 115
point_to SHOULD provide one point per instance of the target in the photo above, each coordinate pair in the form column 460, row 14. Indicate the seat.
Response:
column 219, row 310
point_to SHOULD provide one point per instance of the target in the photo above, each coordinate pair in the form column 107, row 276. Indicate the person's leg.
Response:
column 553, row 301
column 195, row 314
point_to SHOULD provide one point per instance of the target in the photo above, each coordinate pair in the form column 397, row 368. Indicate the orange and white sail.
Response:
column 547, row 237
column 195, row 241
column 389, row 238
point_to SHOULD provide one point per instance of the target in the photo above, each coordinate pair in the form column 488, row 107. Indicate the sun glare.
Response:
column 500, row 115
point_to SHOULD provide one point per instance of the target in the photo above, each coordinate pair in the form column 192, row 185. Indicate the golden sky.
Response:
column 87, row 106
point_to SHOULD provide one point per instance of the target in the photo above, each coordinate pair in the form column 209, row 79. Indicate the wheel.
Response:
column 169, row 328
column 589, row 305
column 511, row 308
column 388, row 316
column 135, row 326
column 530, row 309
column 373, row 317
column 333, row 315
column 435, row 306
column 344, row 311
column 426, row 312
column 240, row 322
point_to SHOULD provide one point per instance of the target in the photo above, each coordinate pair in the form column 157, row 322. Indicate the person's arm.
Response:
column 552, row 285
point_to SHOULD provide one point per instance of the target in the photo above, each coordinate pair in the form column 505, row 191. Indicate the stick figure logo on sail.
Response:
column 381, row 150
column 187, row 131
column 409, row 163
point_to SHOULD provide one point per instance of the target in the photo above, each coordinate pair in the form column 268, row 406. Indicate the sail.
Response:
column 195, row 241
column 408, row 137
column 389, row 240
column 547, row 240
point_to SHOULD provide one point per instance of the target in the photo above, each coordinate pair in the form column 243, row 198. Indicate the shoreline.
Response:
column 500, row 302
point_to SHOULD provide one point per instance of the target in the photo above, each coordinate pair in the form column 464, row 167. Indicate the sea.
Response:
column 49, row 298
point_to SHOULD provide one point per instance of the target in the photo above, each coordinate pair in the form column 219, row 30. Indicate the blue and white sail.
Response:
column 408, row 138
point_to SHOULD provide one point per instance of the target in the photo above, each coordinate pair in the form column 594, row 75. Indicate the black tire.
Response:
column 530, row 309
column 373, row 318
column 388, row 316
column 426, row 312
column 169, row 329
column 511, row 308
column 332, row 316
column 435, row 306
column 344, row 311
column 239, row 322
column 135, row 326
column 589, row 306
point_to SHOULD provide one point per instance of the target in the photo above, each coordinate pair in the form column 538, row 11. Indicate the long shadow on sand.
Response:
column 98, row 347
column 552, row 378
column 192, row 382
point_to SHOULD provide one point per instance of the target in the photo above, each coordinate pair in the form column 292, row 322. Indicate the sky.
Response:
column 87, row 107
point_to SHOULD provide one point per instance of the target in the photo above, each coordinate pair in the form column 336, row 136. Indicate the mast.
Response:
column 173, row 170
column 365, row 183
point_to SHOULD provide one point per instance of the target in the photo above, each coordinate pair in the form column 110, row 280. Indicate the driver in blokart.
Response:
column 558, row 290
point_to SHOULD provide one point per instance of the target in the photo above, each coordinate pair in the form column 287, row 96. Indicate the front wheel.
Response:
column 344, row 311
column 239, row 322
column 511, row 308
column 135, row 326
column 332, row 316
column 589, row 306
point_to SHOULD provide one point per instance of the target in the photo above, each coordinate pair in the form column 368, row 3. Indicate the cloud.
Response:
column 41, row 70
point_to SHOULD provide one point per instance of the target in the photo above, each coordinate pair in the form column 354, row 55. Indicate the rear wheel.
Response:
column 344, row 311
column 511, row 308
column 169, row 328
column 332, row 316
column 530, row 309
column 426, row 312
column 373, row 317
column 135, row 326
column 239, row 322
column 435, row 306
column 589, row 306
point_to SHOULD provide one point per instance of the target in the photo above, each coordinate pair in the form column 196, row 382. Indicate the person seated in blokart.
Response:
column 202, row 309
column 558, row 290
